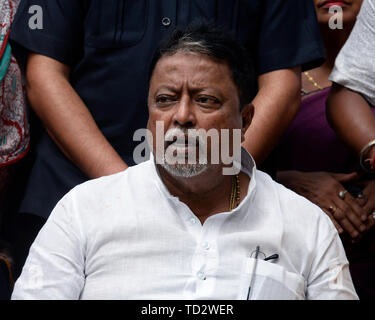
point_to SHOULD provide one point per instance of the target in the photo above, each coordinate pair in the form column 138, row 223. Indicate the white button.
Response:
column 193, row 221
column 206, row 245
column 201, row 275
column 166, row 21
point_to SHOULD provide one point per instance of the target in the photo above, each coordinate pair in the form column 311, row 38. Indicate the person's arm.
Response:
column 55, row 266
column 289, row 40
column 67, row 119
column 350, row 116
column 276, row 105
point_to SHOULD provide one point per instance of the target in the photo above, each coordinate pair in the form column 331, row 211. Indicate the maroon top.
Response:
column 310, row 144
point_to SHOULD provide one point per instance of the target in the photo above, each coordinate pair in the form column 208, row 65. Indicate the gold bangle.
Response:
column 362, row 155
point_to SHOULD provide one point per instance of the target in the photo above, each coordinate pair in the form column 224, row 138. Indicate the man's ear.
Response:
column 247, row 114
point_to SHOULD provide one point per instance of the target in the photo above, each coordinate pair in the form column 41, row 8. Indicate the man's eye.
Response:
column 207, row 100
column 163, row 100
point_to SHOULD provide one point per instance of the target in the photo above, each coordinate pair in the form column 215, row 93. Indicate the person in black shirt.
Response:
column 87, row 69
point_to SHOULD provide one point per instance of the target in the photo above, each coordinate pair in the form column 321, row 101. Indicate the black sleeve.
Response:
column 61, row 36
column 289, row 36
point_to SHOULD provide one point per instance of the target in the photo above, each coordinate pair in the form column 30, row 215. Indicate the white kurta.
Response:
column 125, row 237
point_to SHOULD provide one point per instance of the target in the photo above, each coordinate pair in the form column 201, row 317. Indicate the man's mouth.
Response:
column 183, row 142
column 330, row 3
column 183, row 147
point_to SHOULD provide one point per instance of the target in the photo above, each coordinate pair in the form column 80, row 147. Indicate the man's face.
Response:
column 192, row 91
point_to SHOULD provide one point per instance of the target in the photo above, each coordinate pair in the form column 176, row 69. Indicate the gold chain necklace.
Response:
column 311, row 79
column 235, row 195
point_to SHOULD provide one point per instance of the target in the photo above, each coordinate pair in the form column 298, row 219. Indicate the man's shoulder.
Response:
column 98, row 188
column 294, row 209
column 301, row 224
column 283, row 194
column 100, row 202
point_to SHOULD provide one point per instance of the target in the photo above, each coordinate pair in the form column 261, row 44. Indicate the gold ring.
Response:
column 332, row 209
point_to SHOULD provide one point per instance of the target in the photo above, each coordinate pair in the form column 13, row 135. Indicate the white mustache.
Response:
column 181, row 137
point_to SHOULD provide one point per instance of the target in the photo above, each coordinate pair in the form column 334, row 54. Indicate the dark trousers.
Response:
column 25, row 229
column 17, row 230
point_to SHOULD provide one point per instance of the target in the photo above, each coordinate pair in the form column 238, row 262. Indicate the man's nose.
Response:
column 184, row 115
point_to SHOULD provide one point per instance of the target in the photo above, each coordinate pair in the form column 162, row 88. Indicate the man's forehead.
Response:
column 197, row 69
column 190, row 63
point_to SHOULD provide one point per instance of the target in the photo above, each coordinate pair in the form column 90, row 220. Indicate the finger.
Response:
column 353, row 205
column 370, row 204
column 349, row 228
column 339, row 229
column 345, row 177
column 370, row 209
column 359, row 224
column 361, row 200
column 370, row 222
column 362, row 183
column 370, row 219
column 340, row 216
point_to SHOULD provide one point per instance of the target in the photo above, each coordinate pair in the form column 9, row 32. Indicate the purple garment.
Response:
column 310, row 144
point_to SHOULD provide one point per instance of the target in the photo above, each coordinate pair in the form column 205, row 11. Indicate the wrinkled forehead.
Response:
column 192, row 68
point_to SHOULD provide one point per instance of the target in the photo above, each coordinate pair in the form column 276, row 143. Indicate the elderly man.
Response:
column 167, row 230
column 86, row 65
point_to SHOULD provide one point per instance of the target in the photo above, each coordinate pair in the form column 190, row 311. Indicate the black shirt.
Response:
column 109, row 45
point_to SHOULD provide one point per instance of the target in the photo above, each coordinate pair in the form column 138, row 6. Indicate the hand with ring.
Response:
column 323, row 189
column 342, row 193
column 368, row 202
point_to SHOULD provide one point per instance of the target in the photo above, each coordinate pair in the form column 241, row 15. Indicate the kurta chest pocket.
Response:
column 116, row 23
column 269, row 281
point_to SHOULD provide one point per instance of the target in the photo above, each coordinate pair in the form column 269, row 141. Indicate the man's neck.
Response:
column 205, row 194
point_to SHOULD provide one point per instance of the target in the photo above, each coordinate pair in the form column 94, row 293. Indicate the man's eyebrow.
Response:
column 199, row 89
column 208, row 91
column 193, row 90
column 168, row 88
